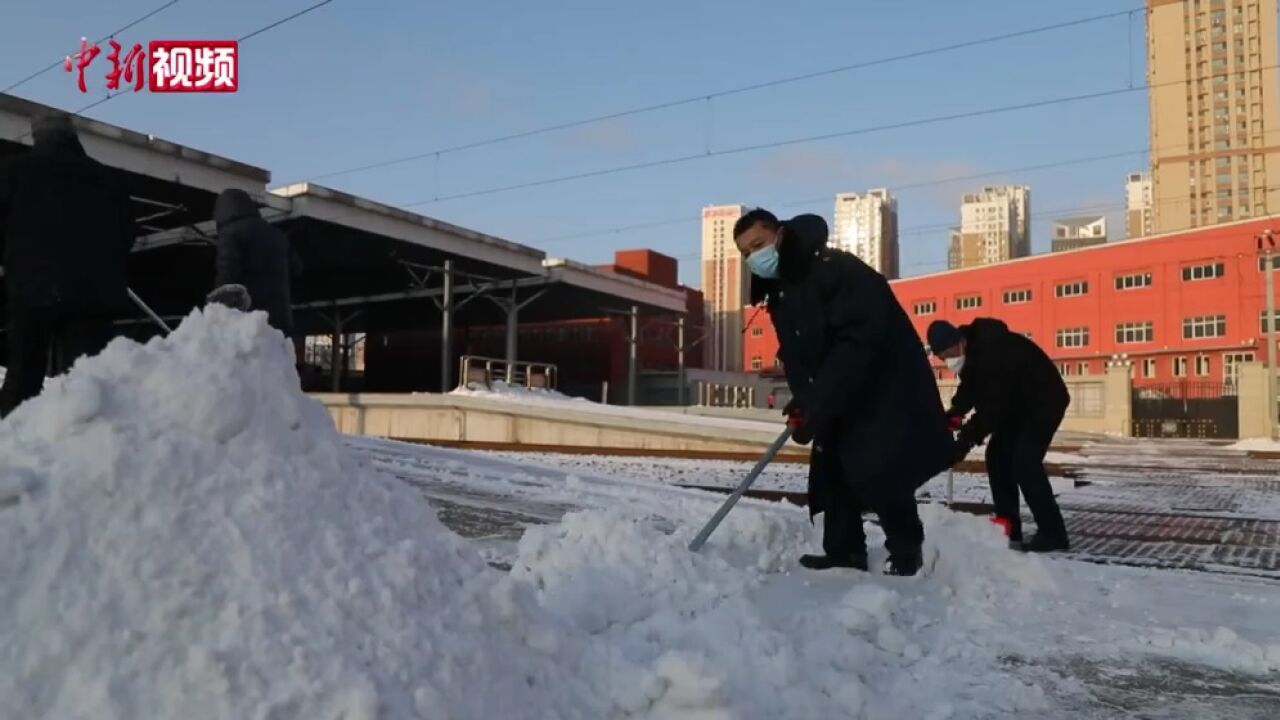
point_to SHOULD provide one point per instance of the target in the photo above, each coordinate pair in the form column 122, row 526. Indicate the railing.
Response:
column 475, row 370
column 1186, row 390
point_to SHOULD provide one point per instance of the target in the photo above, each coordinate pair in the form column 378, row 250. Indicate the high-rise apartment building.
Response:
column 725, row 287
column 866, row 225
column 1214, row 85
column 994, row 226
column 1138, row 217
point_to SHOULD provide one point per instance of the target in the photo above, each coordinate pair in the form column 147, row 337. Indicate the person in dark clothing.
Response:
column 1018, row 399
column 66, row 229
column 862, row 390
column 254, row 255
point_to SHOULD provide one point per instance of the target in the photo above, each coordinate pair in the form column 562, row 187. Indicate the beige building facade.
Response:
column 994, row 227
column 1215, row 146
column 866, row 225
column 725, row 288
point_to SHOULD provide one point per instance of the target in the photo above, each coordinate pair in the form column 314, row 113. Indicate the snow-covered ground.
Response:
column 555, row 400
column 187, row 536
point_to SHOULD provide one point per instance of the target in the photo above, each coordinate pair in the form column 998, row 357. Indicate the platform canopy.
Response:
column 375, row 267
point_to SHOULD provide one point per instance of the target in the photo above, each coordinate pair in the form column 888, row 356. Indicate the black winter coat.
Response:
column 66, row 227
column 854, row 364
column 253, row 253
column 1005, row 379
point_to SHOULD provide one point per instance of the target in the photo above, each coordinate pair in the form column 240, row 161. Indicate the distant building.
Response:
column 1077, row 232
column 1179, row 307
column 994, row 226
column 1139, row 220
column 866, row 225
column 1214, row 94
column 725, row 288
column 955, row 249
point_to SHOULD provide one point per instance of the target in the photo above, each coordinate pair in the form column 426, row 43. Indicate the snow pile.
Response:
column 1257, row 445
column 185, row 536
column 500, row 389
column 721, row 634
column 1220, row 647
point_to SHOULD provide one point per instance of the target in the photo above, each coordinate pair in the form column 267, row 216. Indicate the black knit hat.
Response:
column 942, row 336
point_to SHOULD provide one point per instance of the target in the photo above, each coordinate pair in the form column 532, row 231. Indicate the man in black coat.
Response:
column 862, row 389
column 67, row 229
column 254, row 255
column 1018, row 399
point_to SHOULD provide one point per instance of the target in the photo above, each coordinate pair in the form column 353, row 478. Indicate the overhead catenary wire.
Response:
column 109, row 36
column 275, row 24
column 897, row 188
column 708, row 97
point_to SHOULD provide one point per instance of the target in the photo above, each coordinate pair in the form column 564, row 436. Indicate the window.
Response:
column 1275, row 263
column 969, row 302
column 1133, row 280
column 1179, row 367
column 757, row 362
column 1202, row 365
column 1016, row 297
column 1072, row 289
column 1136, row 332
column 927, row 307
column 1263, row 329
column 1073, row 337
column 1204, row 272
column 757, row 331
column 1065, row 368
column 1231, row 365
column 1149, row 368
column 1204, row 326
column 1082, row 368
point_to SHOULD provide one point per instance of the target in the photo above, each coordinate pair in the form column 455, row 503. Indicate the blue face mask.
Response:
column 764, row 262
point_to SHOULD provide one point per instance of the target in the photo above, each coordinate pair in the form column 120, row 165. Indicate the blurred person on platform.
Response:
column 66, row 231
column 255, row 265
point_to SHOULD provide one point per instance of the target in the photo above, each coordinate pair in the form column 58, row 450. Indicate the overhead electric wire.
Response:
column 254, row 33
column 724, row 93
column 109, row 36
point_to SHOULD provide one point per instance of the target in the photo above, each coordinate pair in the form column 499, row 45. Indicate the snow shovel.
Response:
column 147, row 309
column 729, row 502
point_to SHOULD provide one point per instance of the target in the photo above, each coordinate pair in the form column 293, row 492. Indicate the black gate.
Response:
column 1186, row 410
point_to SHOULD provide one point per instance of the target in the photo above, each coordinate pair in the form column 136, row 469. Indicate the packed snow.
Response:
column 186, row 535
column 1257, row 445
column 538, row 397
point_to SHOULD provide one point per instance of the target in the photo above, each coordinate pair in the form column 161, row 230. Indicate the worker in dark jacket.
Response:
column 66, row 229
column 1018, row 399
column 862, row 390
column 255, row 256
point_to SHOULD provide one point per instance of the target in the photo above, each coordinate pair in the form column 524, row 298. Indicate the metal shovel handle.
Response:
column 729, row 502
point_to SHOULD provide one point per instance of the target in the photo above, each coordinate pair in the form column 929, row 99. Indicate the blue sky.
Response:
column 359, row 82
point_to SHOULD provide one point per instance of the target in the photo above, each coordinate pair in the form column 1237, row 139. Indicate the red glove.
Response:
column 1004, row 523
column 799, row 430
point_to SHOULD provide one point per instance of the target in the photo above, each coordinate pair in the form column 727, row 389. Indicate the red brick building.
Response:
column 1185, row 305
column 593, row 351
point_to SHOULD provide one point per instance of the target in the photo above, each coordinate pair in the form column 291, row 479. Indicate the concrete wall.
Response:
column 1257, row 416
column 1100, row 404
column 459, row 418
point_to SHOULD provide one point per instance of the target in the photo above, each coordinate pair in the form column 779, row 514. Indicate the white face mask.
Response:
column 954, row 364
